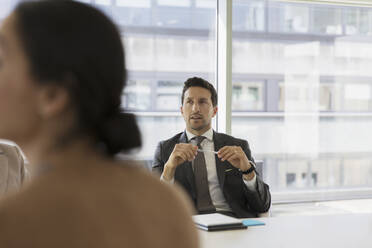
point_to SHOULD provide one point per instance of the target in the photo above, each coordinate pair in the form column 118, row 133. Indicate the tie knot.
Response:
column 199, row 140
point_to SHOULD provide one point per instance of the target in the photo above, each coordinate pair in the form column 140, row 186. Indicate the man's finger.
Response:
column 232, row 156
column 223, row 149
column 181, row 155
column 190, row 151
column 190, row 154
column 222, row 153
column 227, row 155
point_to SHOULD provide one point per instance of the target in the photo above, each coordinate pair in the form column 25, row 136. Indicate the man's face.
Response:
column 197, row 110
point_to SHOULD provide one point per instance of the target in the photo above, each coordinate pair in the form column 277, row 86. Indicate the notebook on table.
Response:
column 216, row 222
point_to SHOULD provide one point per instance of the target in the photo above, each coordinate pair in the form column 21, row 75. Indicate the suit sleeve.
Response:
column 158, row 162
column 260, row 199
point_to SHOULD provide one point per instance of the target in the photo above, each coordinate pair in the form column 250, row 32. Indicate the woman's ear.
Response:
column 52, row 100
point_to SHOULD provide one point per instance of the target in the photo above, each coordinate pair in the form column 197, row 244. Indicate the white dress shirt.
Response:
column 215, row 190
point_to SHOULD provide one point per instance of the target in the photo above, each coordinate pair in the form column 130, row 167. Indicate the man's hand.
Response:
column 182, row 152
column 235, row 156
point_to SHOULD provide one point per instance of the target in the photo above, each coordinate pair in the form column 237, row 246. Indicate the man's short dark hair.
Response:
column 199, row 82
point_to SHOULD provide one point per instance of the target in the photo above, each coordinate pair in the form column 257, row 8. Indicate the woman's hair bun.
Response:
column 120, row 133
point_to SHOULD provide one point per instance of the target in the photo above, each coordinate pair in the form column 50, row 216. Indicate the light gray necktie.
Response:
column 203, row 198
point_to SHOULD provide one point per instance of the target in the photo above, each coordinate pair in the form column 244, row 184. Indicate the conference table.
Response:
column 331, row 231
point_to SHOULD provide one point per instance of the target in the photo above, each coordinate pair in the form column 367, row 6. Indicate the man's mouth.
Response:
column 196, row 118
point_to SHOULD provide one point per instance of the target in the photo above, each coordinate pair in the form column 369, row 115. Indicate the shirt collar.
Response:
column 208, row 134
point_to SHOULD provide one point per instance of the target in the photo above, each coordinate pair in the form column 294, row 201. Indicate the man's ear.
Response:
column 181, row 109
column 53, row 100
column 215, row 109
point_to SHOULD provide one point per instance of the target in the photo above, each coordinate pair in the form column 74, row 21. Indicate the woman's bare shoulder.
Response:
column 117, row 196
column 144, row 187
column 168, row 206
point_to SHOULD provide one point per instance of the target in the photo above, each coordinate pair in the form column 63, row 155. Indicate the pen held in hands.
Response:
column 200, row 150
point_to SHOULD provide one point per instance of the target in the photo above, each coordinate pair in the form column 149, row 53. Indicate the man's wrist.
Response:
column 247, row 167
column 170, row 166
column 249, row 176
column 169, row 171
column 248, row 171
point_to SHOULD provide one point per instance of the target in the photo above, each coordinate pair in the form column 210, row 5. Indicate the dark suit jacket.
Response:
column 244, row 202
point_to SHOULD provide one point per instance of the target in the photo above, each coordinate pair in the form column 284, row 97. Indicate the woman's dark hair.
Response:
column 78, row 47
column 199, row 82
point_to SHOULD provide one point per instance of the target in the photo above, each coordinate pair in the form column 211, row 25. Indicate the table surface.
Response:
column 331, row 231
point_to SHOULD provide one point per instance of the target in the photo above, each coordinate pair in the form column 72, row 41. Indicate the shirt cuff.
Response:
column 171, row 181
column 251, row 184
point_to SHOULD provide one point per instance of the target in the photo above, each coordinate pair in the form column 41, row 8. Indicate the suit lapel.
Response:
column 187, row 166
column 220, row 166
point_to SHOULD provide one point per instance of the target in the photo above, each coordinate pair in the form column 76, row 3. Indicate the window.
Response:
column 358, row 21
column 327, row 20
column 166, row 42
column 286, row 17
column 314, row 99
column 290, row 178
column 248, row 15
column 5, row 8
column 179, row 3
column 137, row 95
column 169, row 95
column 301, row 83
column 248, row 96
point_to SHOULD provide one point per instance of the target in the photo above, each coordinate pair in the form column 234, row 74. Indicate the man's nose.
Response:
column 195, row 107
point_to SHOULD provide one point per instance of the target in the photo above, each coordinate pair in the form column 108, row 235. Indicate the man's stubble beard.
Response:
column 201, row 127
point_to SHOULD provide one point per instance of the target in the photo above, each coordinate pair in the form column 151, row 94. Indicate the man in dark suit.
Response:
column 216, row 170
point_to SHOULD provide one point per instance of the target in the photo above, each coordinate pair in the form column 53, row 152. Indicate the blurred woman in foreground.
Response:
column 62, row 74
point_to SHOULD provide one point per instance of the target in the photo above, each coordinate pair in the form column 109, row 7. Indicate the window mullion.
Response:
column 224, row 65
